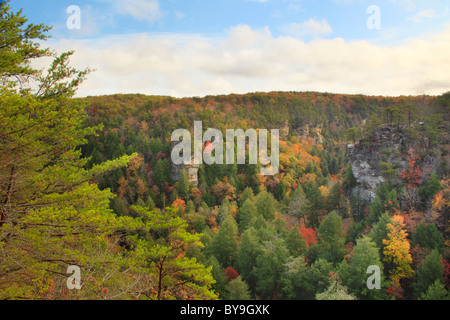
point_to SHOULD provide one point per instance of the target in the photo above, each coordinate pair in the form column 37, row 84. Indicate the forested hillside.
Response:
column 89, row 183
column 301, row 232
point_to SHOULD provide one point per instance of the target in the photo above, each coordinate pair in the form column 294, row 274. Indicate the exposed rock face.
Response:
column 366, row 171
column 389, row 145
column 191, row 170
column 284, row 130
column 308, row 130
column 317, row 133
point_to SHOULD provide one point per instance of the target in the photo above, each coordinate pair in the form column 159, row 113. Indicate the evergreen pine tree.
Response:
column 429, row 271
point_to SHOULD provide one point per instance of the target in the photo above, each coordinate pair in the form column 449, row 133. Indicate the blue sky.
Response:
column 346, row 17
column 199, row 47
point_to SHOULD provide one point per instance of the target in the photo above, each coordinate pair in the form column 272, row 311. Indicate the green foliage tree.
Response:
column 429, row 189
column 269, row 266
column 433, row 128
column 162, row 173
column 336, row 291
column 436, row 292
column 52, row 214
column 248, row 252
column 352, row 134
column 388, row 171
column 247, row 212
column 429, row 271
column 280, row 191
column 150, row 201
column 393, row 115
column 224, row 211
column 247, row 193
column 190, row 207
column 428, row 236
column 354, row 271
column 163, row 253
column 372, row 124
column 358, row 205
column 380, row 232
column 251, row 170
column 319, row 276
column 349, row 179
column 293, row 280
column 331, row 238
column 296, row 243
column 183, row 185
column 266, row 205
column 237, row 289
column 75, row 228
column 335, row 199
column 315, row 206
column 376, row 209
column 119, row 206
column 225, row 242
column 19, row 45
column 219, row 276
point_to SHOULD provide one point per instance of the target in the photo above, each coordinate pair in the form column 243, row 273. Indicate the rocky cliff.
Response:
column 387, row 153
column 191, row 170
column 309, row 130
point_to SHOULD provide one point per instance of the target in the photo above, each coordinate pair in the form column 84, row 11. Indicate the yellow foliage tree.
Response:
column 324, row 190
column 397, row 250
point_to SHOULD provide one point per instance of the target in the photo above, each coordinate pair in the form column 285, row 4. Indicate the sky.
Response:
column 186, row 48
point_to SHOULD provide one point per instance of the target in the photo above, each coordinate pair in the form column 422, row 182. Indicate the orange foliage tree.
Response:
column 412, row 174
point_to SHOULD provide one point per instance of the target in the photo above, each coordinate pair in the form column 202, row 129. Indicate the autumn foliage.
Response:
column 90, row 182
column 309, row 234
column 397, row 251
column 412, row 174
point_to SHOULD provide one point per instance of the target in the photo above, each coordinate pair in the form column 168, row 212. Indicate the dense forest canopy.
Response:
column 89, row 182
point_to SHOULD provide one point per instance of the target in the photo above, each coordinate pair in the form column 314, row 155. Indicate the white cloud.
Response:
column 406, row 4
column 409, row 5
column 246, row 60
column 308, row 28
column 424, row 14
column 142, row 10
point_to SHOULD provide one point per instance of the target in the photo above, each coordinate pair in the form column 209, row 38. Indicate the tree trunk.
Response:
column 160, row 277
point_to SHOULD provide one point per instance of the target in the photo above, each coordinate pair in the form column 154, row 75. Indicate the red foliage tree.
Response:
column 446, row 273
column 395, row 291
column 412, row 175
column 309, row 234
column 231, row 273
